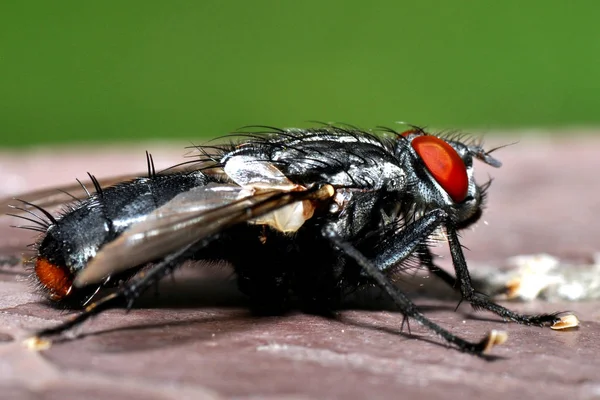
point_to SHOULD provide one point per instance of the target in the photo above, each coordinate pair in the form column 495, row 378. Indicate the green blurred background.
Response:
column 126, row 70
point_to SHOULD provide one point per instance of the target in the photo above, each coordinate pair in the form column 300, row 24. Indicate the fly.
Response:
column 304, row 214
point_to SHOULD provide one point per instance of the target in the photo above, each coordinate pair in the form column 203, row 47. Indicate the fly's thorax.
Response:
column 350, row 167
column 334, row 156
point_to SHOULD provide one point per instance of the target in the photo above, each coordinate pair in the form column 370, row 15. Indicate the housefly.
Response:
column 308, row 215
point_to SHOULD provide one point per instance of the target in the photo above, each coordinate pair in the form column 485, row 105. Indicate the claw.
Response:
column 565, row 321
column 492, row 339
column 36, row 343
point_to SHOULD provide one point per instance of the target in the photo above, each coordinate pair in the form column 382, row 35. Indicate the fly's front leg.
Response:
column 396, row 248
column 393, row 252
column 480, row 301
column 426, row 259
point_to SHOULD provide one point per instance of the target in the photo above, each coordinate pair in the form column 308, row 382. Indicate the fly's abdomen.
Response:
column 75, row 238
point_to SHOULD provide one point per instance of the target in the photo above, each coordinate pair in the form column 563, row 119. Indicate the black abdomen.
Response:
column 82, row 231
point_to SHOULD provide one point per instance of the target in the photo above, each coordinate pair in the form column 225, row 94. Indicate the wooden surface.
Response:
column 197, row 340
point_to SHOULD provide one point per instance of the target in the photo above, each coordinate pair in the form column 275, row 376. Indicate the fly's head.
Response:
column 441, row 174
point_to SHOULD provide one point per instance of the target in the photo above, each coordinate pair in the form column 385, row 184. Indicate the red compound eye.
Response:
column 444, row 163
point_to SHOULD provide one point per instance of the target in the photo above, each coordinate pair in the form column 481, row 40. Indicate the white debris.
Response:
column 528, row 277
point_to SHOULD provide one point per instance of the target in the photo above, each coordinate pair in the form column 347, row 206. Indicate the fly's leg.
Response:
column 479, row 300
column 427, row 259
column 408, row 243
column 418, row 232
column 124, row 295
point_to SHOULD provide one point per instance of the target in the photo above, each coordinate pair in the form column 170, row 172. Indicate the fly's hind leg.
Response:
column 125, row 295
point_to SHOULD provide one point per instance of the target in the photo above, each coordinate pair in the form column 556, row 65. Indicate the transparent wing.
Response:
column 189, row 219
